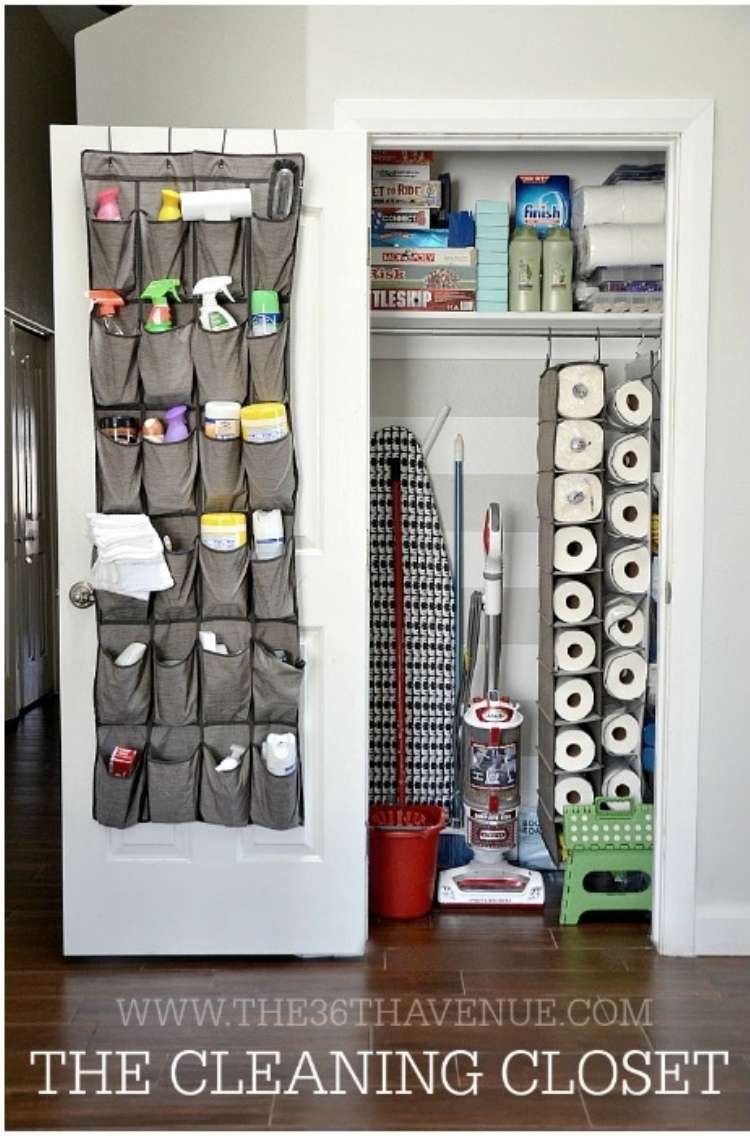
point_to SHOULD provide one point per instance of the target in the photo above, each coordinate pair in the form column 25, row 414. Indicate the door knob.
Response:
column 82, row 594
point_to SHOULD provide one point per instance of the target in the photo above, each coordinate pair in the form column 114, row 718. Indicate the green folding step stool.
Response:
column 597, row 838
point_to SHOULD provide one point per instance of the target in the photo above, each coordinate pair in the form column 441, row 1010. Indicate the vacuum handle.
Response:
column 398, row 619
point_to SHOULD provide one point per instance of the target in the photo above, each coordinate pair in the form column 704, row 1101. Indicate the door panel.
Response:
column 198, row 888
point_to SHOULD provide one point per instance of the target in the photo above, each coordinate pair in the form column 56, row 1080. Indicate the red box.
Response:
column 123, row 761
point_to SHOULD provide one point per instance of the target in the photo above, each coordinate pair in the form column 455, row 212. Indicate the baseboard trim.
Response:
column 723, row 930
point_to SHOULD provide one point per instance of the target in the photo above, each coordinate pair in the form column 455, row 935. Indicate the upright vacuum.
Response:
column 490, row 749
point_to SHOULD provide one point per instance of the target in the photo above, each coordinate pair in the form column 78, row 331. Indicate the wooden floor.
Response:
column 57, row 1004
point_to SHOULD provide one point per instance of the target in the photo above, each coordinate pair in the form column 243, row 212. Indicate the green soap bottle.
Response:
column 557, row 271
column 525, row 270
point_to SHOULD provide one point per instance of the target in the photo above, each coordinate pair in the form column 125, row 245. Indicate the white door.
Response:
column 195, row 888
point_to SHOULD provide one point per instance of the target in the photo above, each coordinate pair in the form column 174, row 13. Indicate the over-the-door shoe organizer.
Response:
column 181, row 706
column 584, row 520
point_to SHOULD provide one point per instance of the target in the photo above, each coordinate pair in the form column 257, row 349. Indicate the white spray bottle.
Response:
column 212, row 316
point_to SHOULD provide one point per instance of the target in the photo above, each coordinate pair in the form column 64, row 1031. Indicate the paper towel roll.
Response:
column 575, row 649
column 574, row 549
column 580, row 390
column 574, row 699
column 629, row 459
column 629, row 569
column 577, row 497
column 603, row 246
column 631, row 404
column 579, row 444
column 624, row 622
column 619, row 780
column 629, row 513
column 572, row 789
column 574, row 750
column 572, row 601
column 279, row 752
column 620, row 733
column 625, row 673
column 628, row 203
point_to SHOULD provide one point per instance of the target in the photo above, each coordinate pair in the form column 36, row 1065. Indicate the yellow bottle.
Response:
column 170, row 205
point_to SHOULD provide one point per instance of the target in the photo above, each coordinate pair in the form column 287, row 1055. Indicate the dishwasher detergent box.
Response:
column 543, row 201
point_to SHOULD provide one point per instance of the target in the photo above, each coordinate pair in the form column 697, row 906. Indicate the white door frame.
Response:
column 684, row 129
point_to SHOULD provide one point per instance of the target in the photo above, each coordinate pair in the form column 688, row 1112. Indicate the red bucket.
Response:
column 403, row 859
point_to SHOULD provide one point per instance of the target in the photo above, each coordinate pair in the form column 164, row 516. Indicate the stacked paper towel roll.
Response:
column 626, row 203
column 579, row 444
column 629, row 569
column 575, row 649
column 625, row 673
column 572, row 789
column 620, row 733
column 629, row 513
column 602, row 246
column 580, row 390
column 574, row 549
column 577, row 498
column 621, row 781
column 572, row 601
column 629, row 459
column 574, row 749
column 631, row 404
column 574, row 699
column 624, row 622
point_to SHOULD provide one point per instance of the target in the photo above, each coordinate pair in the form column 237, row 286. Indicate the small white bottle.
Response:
column 268, row 533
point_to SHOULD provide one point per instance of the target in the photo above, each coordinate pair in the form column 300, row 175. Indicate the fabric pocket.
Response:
column 178, row 602
column 165, row 363
column 169, row 473
column 119, row 480
column 225, row 797
column 172, row 787
column 224, row 582
column 275, row 802
column 271, row 476
column 267, row 361
column 273, row 593
column 220, row 359
column 123, row 694
column 119, row 801
column 114, row 359
column 220, row 251
column 112, row 255
column 176, row 690
column 163, row 247
column 113, row 608
column 276, row 687
column 221, row 474
column 226, row 680
column 272, row 253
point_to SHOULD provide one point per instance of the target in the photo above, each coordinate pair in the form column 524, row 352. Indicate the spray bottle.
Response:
column 212, row 316
column 159, row 291
column 106, row 303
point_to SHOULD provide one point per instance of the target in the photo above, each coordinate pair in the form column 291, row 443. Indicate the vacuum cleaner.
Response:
column 490, row 762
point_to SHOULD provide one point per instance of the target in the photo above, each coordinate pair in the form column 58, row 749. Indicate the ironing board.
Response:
column 428, row 623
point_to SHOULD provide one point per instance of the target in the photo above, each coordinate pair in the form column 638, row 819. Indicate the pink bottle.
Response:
column 107, row 205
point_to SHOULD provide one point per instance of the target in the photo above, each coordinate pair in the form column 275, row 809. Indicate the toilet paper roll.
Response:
column 620, row 781
column 577, row 498
column 572, row 601
column 629, row 569
column 605, row 246
column 625, row 674
column 624, row 623
column 580, row 390
column 620, row 733
column 575, row 649
column 574, row 699
column 627, row 203
column 629, row 459
column 574, row 549
column 572, row 789
column 630, row 405
column 629, row 513
column 579, row 444
column 279, row 752
column 574, row 750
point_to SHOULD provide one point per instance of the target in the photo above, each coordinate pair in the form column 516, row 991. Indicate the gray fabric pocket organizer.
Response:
column 226, row 680
column 114, row 359
column 275, row 802
column 220, row 251
column 176, row 690
column 271, row 476
column 165, row 362
column 273, row 591
column 123, row 694
column 112, row 255
column 119, row 475
column 221, row 475
column 172, row 787
column 225, row 797
column 267, row 361
column 224, row 582
column 220, row 359
column 276, row 687
column 163, row 248
column 119, row 801
column 178, row 602
column 169, row 473
column 272, row 260
column 113, row 608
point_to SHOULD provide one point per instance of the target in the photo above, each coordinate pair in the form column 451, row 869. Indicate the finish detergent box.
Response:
column 543, row 201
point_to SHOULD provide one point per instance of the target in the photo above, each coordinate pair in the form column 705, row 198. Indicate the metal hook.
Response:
column 109, row 144
column 549, row 349
column 223, row 141
column 275, row 142
column 169, row 139
column 598, row 345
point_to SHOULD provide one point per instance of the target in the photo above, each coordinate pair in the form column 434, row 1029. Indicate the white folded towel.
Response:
column 129, row 555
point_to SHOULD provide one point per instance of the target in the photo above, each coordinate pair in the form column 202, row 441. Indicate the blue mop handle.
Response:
column 458, row 559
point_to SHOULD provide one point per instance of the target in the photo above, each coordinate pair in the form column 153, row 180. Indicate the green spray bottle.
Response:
column 158, row 291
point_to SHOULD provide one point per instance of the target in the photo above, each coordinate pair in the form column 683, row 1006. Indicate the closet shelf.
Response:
column 528, row 323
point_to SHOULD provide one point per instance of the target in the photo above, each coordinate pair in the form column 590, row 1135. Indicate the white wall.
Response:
column 252, row 66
